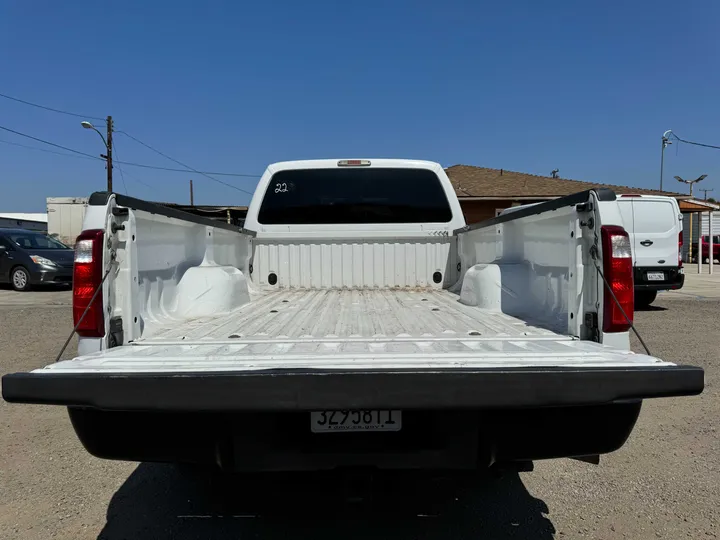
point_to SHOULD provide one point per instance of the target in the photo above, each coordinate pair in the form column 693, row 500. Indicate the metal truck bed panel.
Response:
column 351, row 330
column 341, row 314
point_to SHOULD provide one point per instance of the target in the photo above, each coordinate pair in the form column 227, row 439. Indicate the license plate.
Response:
column 656, row 276
column 345, row 421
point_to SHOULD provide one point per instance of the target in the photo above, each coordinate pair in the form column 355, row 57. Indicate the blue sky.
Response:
column 586, row 87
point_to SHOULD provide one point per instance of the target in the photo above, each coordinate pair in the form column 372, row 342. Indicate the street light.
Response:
column 88, row 125
column 665, row 142
column 691, row 182
column 108, row 146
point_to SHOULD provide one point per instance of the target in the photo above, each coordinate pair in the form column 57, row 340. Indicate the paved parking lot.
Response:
column 44, row 297
column 662, row 484
column 697, row 285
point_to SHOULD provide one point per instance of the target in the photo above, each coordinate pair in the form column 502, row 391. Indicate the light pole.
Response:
column 691, row 182
column 665, row 142
column 108, row 146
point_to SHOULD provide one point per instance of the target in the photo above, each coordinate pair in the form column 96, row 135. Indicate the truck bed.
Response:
column 346, row 314
column 351, row 329
column 331, row 319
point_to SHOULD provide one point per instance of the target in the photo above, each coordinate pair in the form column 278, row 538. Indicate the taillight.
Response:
column 618, row 270
column 87, row 275
column 680, row 244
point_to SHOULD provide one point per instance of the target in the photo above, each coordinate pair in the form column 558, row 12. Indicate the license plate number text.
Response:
column 347, row 420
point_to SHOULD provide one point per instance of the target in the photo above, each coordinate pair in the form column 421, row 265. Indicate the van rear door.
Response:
column 656, row 224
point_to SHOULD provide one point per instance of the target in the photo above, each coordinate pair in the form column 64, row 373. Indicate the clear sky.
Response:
column 586, row 87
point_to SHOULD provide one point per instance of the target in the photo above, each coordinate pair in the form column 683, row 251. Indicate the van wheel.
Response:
column 643, row 299
column 20, row 279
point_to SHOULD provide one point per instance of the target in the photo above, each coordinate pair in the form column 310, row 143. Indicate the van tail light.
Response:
column 680, row 244
column 618, row 270
column 87, row 277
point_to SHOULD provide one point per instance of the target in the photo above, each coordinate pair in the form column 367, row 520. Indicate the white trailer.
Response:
column 65, row 217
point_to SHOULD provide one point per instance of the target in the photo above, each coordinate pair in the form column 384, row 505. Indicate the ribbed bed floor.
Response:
column 323, row 314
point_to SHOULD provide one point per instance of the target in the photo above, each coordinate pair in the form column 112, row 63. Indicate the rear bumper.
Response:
column 315, row 390
column 675, row 279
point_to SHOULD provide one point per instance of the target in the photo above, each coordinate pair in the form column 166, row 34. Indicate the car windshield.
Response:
column 29, row 240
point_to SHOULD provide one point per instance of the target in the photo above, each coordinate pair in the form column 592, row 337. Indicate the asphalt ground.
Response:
column 664, row 483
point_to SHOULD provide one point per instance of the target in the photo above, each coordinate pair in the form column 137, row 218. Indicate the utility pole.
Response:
column 665, row 142
column 691, row 183
column 108, row 157
column 192, row 199
column 705, row 191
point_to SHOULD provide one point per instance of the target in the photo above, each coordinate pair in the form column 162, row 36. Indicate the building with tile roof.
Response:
column 484, row 192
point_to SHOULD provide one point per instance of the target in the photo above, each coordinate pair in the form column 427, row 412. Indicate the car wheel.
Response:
column 20, row 279
column 643, row 299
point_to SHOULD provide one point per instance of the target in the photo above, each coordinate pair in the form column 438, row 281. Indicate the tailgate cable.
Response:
column 593, row 254
column 74, row 330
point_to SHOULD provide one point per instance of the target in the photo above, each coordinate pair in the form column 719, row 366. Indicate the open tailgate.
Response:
column 355, row 375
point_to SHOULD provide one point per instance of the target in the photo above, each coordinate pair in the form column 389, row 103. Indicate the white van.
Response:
column 655, row 226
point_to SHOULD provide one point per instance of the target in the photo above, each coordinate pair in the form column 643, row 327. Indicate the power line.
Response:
column 50, row 108
column 45, row 150
column 139, row 181
column 695, row 143
column 144, row 166
column 48, row 142
column 85, row 116
column 129, row 163
column 183, row 164
column 122, row 175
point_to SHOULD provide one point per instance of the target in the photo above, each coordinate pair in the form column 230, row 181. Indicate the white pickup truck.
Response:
column 355, row 321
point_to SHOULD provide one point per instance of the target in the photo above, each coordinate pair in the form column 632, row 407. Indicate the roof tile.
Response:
column 470, row 181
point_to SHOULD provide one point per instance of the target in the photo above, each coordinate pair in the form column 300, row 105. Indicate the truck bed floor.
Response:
column 323, row 314
column 351, row 329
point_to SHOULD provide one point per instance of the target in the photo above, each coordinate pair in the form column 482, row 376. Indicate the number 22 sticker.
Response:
column 281, row 187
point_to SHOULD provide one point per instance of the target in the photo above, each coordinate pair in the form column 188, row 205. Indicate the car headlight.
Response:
column 37, row 259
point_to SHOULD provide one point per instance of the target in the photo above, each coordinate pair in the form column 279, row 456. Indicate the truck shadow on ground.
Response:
column 161, row 501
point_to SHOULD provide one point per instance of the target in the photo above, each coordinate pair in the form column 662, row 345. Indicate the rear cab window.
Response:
column 353, row 196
